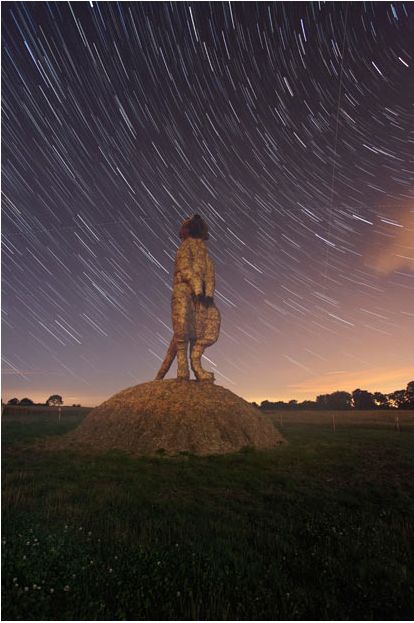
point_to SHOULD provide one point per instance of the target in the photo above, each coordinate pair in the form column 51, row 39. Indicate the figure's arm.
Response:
column 210, row 281
column 188, row 267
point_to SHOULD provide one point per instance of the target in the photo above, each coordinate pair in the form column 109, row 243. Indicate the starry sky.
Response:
column 287, row 125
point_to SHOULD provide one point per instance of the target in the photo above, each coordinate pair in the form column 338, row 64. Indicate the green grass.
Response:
column 319, row 529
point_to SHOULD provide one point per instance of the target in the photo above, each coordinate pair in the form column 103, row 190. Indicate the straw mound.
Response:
column 174, row 416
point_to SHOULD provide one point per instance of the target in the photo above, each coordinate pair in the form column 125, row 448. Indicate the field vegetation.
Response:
column 321, row 528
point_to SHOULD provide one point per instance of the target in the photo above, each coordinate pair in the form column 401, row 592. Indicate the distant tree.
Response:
column 279, row 404
column 26, row 402
column 265, row 404
column 79, row 405
column 13, row 401
column 363, row 399
column 293, row 404
column 339, row 400
column 381, row 400
column 54, row 401
column 321, row 401
column 409, row 395
column 336, row 400
column 307, row 404
column 397, row 399
column 254, row 404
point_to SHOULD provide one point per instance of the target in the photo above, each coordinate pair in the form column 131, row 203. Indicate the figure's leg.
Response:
column 183, row 372
column 196, row 351
column 182, row 318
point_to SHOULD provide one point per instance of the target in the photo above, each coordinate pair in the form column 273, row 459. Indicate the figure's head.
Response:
column 194, row 227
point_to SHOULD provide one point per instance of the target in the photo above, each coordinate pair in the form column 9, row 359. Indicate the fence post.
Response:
column 333, row 423
column 60, row 411
column 281, row 419
column 397, row 422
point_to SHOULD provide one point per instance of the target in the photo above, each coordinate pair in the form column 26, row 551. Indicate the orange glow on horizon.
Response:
column 374, row 380
column 383, row 380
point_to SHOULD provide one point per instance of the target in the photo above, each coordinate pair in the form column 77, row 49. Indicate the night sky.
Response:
column 287, row 126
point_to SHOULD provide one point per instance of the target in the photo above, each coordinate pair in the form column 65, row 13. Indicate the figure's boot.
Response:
column 196, row 350
column 183, row 372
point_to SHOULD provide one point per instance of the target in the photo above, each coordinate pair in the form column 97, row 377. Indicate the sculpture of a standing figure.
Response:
column 195, row 317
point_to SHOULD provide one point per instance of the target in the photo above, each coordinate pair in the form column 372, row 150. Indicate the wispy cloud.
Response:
column 392, row 246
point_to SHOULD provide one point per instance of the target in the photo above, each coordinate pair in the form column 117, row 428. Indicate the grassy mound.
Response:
column 172, row 417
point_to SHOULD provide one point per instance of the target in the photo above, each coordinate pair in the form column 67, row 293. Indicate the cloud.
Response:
column 392, row 247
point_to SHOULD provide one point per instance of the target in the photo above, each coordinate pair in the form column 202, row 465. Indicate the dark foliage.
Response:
column 54, row 401
column 359, row 399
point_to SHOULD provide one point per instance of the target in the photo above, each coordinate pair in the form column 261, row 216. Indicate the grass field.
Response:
column 321, row 528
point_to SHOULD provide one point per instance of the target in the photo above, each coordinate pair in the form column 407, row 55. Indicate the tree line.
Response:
column 53, row 401
column 358, row 399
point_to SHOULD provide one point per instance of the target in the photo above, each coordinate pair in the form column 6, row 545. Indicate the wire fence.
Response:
column 399, row 420
column 38, row 412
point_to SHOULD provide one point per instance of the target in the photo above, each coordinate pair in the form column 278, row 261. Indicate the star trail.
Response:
column 287, row 125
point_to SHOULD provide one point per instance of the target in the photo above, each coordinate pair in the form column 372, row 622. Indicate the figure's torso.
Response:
column 192, row 262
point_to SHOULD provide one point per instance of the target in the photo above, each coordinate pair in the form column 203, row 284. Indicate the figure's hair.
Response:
column 194, row 227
